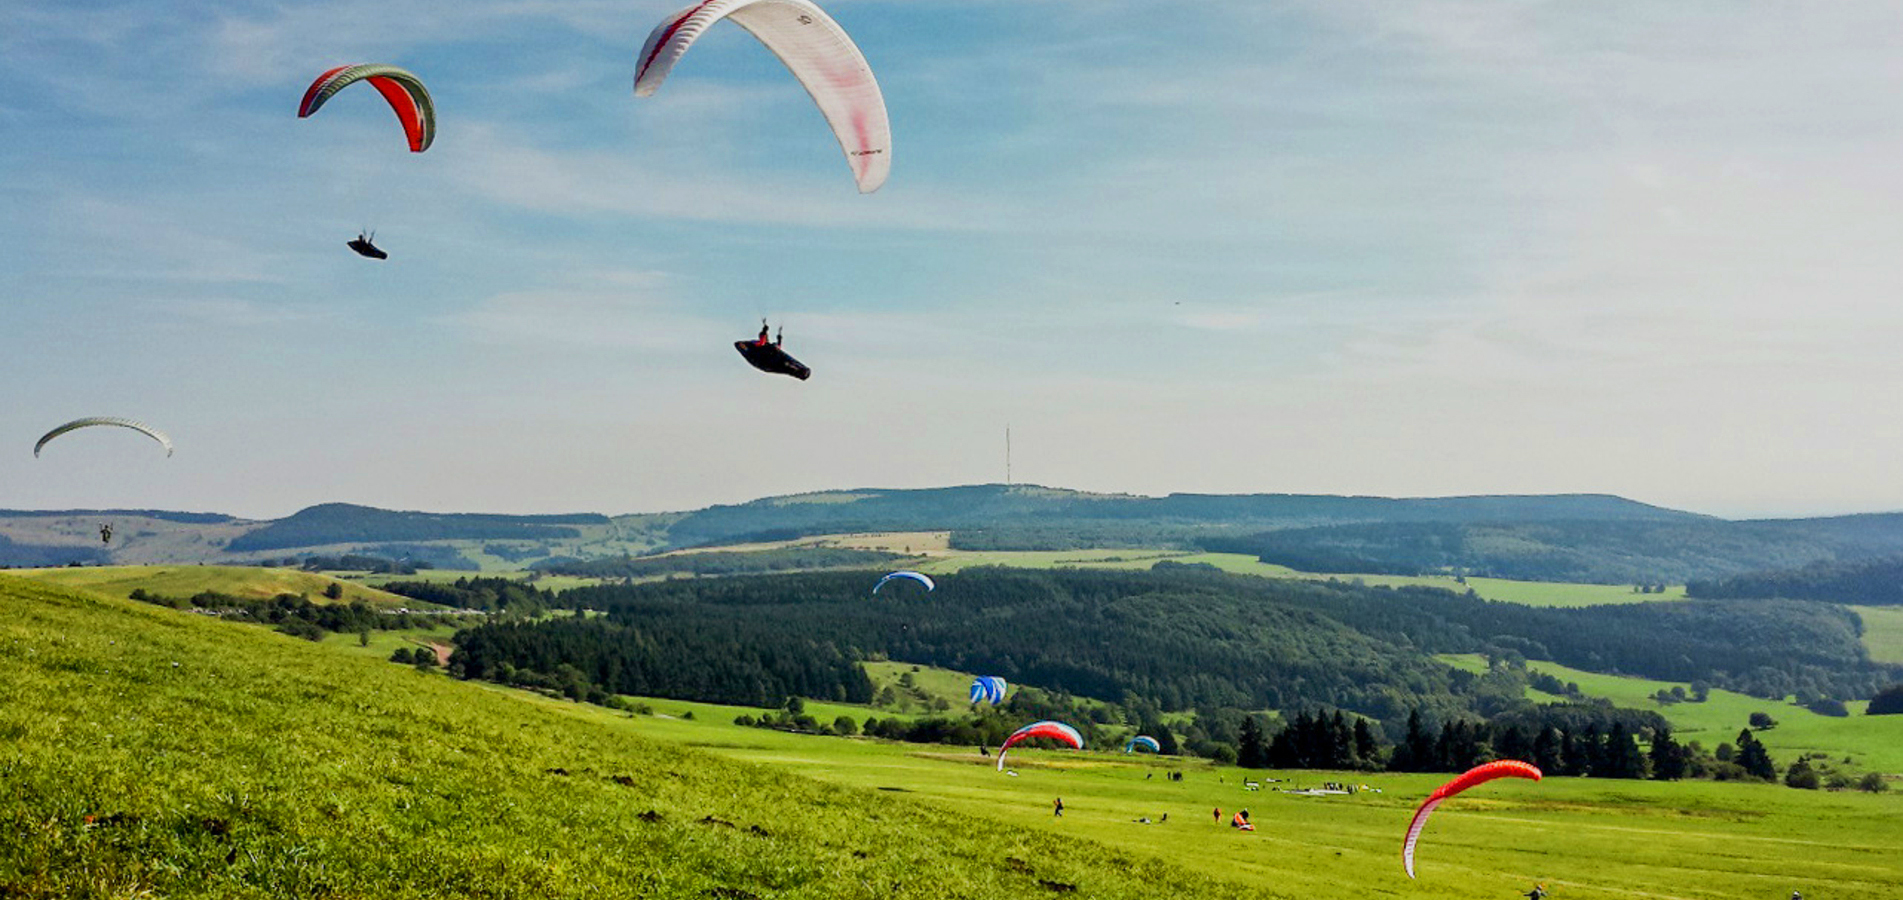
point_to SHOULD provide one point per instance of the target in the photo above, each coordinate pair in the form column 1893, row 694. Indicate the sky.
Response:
column 1237, row 246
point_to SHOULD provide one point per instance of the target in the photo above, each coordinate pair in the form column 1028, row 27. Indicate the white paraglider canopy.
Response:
column 814, row 48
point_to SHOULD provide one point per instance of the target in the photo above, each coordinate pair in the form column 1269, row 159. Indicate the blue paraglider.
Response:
column 912, row 576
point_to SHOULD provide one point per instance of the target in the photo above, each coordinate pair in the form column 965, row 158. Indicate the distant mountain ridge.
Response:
column 1586, row 537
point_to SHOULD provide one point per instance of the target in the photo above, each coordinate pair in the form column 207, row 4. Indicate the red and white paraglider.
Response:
column 1506, row 768
column 1056, row 731
column 814, row 48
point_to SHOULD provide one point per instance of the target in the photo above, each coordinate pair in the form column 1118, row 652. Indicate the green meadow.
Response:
column 1883, row 632
column 150, row 752
column 1873, row 743
column 251, row 582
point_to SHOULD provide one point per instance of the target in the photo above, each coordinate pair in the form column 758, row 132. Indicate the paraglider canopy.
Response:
column 814, row 48
column 404, row 91
column 1143, row 742
column 1056, row 731
column 1506, row 768
column 910, row 576
column 988, row 689
column 90, row 421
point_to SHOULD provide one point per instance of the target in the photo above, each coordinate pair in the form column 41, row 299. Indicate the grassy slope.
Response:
column 184, row 581
column 1883, row 632
column 1874, row 742
column 1591, row 840
column 150, row 752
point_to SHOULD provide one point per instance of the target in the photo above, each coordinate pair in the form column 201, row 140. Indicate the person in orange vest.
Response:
column 1241, row 821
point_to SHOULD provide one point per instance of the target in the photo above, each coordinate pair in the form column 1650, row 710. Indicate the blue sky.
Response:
column 1347, row 247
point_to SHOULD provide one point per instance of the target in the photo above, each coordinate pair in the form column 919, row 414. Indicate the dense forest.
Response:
column 1177, row 638
column 732, row 562
column 1869, row 583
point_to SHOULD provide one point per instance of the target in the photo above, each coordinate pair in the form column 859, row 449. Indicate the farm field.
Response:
column 1875, row 743
column 251, row 582
column 1883, row 632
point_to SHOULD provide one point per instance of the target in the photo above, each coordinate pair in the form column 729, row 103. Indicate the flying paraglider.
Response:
column 365, row 246
column 140, row 427
column 1056, row 731
column 769, row 358
column 1506, row 768
column 911, row 576
column 105, row 533
column 814, row 48
column 405, row 92
column 988, row 689
column 1144, row 742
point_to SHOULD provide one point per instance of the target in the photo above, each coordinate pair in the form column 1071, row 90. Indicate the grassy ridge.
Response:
column 250, row 582
column 148, row 752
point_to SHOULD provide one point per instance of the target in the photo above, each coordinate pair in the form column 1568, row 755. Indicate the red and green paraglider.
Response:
column 1506, row 768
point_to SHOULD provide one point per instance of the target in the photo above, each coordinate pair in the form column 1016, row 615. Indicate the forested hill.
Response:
column 1604, row 551
column 1871, row 583
column 338, row 523
column 1032, row 517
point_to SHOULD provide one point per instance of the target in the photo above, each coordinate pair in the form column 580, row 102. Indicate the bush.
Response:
column 845, row 725
column 1873, row 783
column 1825, row 706
column 1887, row 702
column 1762, row 721
column 1802, row 776
column 402, row 655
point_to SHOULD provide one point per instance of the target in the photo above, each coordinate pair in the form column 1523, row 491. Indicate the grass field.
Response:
column 1875, row 743
column 253, row 582
column 152, row 753
column 265, row 766
column 1584, row 838
column 1883, row 632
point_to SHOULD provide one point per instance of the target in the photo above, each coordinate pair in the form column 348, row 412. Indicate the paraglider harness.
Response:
column 769, row 357
column 365, row 245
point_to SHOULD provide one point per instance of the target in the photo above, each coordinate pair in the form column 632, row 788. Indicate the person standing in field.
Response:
column 1218, row 815
column 1057, row 807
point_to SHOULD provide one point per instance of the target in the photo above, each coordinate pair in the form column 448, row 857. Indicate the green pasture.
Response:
column 1873, row 743
column 1583, row 838
column 1883, row 632
column 146, row 752
column 252, row 582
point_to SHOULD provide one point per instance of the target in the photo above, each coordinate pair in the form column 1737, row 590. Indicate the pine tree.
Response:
column 1668, row 758
column 1250, row 751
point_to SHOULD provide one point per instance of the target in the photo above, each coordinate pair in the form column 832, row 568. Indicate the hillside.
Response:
column 248, row 582
column 149, row 752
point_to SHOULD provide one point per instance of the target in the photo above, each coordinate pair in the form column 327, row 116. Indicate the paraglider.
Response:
column 911, row 576
column 1506, row 768
column 988, row 689
column 1056, row 731
column 365, row 246
column 814, row 48
column 769, row 358
column 105, row 533
column 140, row 427
column 404, row 91
column 1143, row 742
